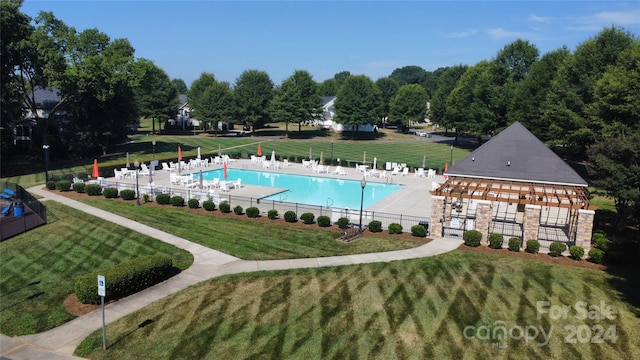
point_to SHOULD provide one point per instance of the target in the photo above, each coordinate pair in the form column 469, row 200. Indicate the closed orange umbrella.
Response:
column 224, row 171
column 179, row 153
column 96, row 171
column 259, row 150
column 446, row 168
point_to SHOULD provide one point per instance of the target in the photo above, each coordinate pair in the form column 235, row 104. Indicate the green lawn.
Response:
column 245, row 238
column 416, row 309
column 38, row 268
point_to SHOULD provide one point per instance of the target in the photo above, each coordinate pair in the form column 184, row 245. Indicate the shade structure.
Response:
column 273, row 156
column 224, row 170
column 128, row 163
column 310, row 158
column 219, row 150
column 150, row 175
column 96, row 172
column 446, row 168
column 198, row 152
column 364, row 158
column 424, row 161
column 321, row 158
column 375, row 162
column 259, row 150
column 201, row 180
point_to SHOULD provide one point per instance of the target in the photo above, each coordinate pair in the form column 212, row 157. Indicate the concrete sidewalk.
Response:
column 60, row 342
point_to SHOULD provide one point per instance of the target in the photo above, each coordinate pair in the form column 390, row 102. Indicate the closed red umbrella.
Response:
column 259, row 150
column 96, row 171
column 446, row 168
column 179, row 153
column 224, row 171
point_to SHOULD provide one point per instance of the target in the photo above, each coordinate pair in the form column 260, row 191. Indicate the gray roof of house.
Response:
column 46, row 98
column 516, row 154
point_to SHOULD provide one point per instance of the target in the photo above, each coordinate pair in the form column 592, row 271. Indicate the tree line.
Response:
column 584, row 104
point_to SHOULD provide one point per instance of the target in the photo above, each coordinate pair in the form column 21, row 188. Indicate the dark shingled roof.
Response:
column 516, row 154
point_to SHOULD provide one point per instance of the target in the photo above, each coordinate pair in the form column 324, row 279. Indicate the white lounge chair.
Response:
column 238, row 183
column 405, row 171
column 118, row 174
column 166, row 167
column 145, row 170
column 395, row 171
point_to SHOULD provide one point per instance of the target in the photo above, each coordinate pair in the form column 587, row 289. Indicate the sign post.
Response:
column 102, row 292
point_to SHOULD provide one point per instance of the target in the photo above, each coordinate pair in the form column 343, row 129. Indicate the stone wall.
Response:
column 484, row 216
column 531, row 222
column 437, row 215
column 585, row 229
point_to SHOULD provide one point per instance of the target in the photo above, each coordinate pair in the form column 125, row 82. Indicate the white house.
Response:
column 329, row 113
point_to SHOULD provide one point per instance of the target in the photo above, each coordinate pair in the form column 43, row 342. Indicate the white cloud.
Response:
column 461, row 34
column 540, row 19
column 500, row 33
column 606, row 18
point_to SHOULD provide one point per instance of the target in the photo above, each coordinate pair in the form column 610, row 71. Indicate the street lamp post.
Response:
column 153, row 143
column 331, row 152
column 136, row 164
column 46, row 162
column 363, row 183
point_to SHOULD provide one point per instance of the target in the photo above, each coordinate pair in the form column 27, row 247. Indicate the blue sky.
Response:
column 187, row 38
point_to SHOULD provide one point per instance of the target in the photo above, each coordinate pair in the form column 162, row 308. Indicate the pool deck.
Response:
column 413, row 198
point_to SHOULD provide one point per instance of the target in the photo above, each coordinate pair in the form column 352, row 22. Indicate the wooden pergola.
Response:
column 514, row 191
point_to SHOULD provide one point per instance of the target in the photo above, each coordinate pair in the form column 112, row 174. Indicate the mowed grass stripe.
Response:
column 329, row 313
column 39, row 267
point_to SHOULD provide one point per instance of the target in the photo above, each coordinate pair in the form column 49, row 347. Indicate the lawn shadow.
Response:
column 20, row 288
column 28, row 298
column 140, row 326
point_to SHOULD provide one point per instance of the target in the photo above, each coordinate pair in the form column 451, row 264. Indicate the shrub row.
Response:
column 125, row 278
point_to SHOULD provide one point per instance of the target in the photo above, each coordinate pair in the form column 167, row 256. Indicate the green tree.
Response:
column 180, row 85
column 358, row 102
column 412, row 74
column 217, row 104
column 156, row 96
column 253, row 91
column 297, row 100
column 328, row 87
column 340, row 78
column 446, row 83
column 409, row 104
column 196, row 94
column 388, row 88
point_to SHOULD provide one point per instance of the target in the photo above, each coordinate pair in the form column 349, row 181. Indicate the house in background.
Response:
column 328, row 122
column 183, row 118
column 45, row 101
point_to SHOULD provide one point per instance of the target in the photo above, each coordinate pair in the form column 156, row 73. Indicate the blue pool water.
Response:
column 310, row 190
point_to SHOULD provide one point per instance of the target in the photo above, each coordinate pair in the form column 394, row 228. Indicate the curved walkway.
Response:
column 60, row 342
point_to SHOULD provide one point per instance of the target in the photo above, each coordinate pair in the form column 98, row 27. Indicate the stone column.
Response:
column 437, row 215
column 484, row 217
column 531, row 222
column 585, row 229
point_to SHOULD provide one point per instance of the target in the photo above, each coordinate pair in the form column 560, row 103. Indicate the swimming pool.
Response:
column 311, row 190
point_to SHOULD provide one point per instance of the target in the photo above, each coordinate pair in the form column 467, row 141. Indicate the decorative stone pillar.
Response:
column 585, row 229
column 531, row 222
column 437, row 215
column 484, row 218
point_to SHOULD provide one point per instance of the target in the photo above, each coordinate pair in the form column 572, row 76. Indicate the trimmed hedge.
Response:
column 395, row 228
column 125, row 278
column 419, row 231
column 127, row 194
column 63, row 185
column 238, row 210
column 596, row 256
column 577, row 252
column 193, row 203
column 78, row 187
column 602, row 243
column 110, row 193
column 533, row 246
column 177, row 201
column 253, row 212
column 472, row 238
column 272, row 214
column 93, row 189
column 343, row 223
column 209, row 205
column 375, row 226
column 163, row 199
column 307, row 218
column 324, row 221
column 514, row 244
column 557, row 248
column 224, row 207
column 290, row 216
column 496, row 241
column 51, row 185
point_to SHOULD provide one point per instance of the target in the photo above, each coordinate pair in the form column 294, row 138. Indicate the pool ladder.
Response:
column 329, row 202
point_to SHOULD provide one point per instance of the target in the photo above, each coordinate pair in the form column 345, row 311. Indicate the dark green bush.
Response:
column 602, row 243
column 596, row 256
column 307, row 218
column 290, row 216
column 238, row 210
column 127, row 194
column 395, row 228
column 110, row 193
column 533, row 246
column 472, row 237
column 51, row 185
column 224, row 207
column 93, row 189
column 253, row 212
column 419, row 231
column 78, row 187
column 375, row 226
column 557, row 248
column 146, row 198
column 577, row 252
column 272, row 214
column 193, row 203
column 324, row 221
column 343, row 223
column 163, row 199
column 514, row 244
column 63, row 185
column 496, row 241
column 177, row 200
column 125, row 278
column 209, row 205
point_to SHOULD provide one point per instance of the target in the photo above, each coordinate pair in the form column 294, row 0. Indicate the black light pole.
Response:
column 46, row 162
column 154, row 148
column 136, row 164
column 331, row 152
column 363, row 183
column 451, row 159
